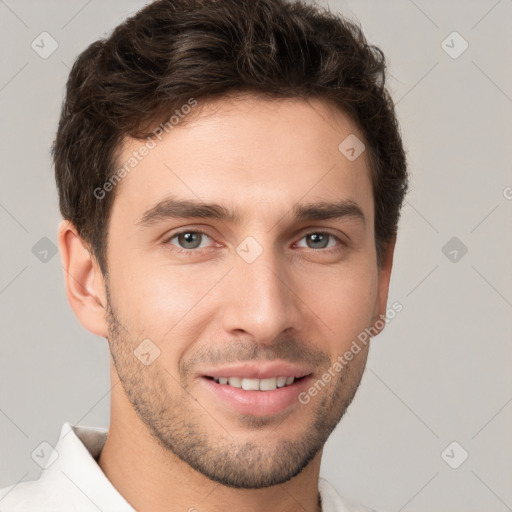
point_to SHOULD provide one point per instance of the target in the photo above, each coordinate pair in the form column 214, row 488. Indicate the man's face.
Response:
column 266, row 294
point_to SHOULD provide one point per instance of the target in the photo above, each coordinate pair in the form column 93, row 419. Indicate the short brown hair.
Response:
column 174, row 50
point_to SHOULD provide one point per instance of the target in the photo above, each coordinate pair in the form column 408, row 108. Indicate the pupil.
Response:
column 187, row 240
column 316, row 237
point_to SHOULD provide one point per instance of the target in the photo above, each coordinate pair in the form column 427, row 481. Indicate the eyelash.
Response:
column 193, row 252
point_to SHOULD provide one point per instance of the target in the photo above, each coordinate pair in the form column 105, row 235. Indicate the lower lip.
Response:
column 258, row 403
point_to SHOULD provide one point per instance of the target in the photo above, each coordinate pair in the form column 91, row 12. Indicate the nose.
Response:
column 260, row 299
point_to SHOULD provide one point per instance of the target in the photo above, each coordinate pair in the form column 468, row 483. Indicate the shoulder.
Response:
column 33, row 496
column 48, row 494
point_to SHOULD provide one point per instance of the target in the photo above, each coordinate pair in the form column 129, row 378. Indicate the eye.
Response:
column 320, row 240
column 188, row 240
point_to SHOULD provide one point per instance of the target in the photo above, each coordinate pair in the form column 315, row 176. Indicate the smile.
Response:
column 247, row 384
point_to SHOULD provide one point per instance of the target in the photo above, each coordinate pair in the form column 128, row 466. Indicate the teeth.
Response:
column 250, row 384
column 236, row 382
column 256, row 384
column 268, row 384
column 281, row 381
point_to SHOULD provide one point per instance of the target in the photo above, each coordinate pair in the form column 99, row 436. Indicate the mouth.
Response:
column 255, row 396
column 250, row 384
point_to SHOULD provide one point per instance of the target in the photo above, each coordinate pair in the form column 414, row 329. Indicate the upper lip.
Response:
column 258, row 370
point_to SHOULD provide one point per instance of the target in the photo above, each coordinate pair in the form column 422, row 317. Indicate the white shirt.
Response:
column 74, row 482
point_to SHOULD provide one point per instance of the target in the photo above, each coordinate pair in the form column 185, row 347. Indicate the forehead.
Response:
column 245, row 151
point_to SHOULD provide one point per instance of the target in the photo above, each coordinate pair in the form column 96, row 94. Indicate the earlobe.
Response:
column 84, row 282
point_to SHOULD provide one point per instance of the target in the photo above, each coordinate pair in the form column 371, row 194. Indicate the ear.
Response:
column 384, row 277
column 85, row 286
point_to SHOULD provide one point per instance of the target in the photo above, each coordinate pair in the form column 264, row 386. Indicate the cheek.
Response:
column 162, row 301
column 346, row 304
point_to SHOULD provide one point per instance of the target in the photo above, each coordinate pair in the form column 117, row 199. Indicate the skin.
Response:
column 173, row 445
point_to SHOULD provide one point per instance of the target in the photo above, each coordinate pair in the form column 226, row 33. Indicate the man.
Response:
column 230, row 175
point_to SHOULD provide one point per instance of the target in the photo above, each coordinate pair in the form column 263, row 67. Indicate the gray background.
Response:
column 440, row 371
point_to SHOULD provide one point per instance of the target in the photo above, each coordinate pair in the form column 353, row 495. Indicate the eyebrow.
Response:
column 172, row 208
